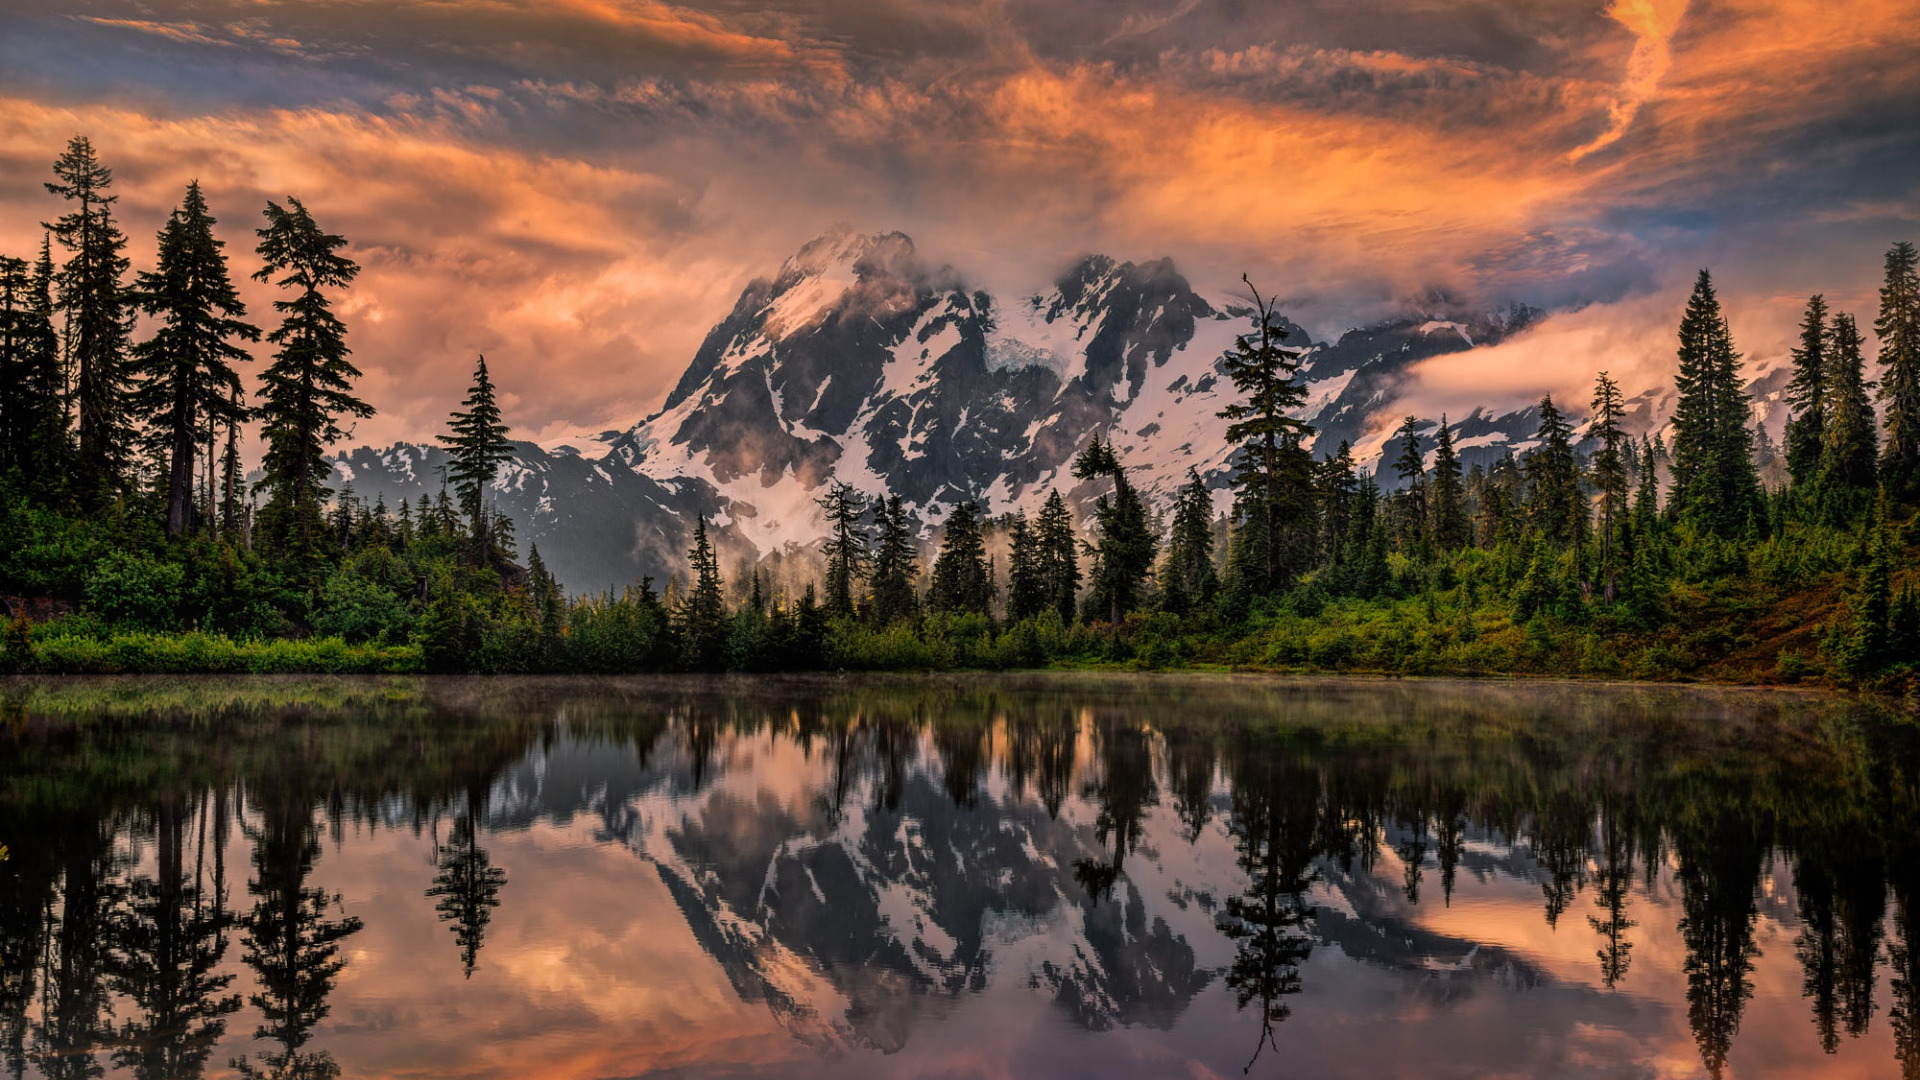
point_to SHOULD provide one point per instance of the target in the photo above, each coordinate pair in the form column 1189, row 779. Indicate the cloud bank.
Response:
column 580, row 188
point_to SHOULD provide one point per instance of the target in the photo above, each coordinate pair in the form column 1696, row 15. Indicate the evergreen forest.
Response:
column 134, row 537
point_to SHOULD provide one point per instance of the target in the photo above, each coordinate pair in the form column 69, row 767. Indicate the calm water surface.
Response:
column 1101, row 876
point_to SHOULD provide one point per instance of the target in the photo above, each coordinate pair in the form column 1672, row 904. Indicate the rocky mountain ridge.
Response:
column 860, row 362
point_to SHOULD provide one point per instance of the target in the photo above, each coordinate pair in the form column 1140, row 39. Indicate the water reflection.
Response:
column 1202, row 874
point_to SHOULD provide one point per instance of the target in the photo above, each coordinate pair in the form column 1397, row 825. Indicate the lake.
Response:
column 1028, row 876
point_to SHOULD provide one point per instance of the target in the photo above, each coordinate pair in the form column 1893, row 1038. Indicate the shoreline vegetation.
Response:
column 133, row 541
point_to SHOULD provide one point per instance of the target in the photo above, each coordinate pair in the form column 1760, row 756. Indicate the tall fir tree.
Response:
column 1026, row 571
column 846, row 547
column 1807, row 395
column 42, row 382
column 1189, row 581
column 1715, row 486
column 308, row 389
column 1124, row 554
column 702, row 615
column 895, row 568
column 1338, row 483
column 1898, row 328
column 1450, row 524
column 962, row 581
column 1265, row 481
column 1411, row 501
column 1646, row 498
column 187, row 382
column 1059, row 556
column 232, row 479
column 18, row 412
column 1850, row 445
column 475, row 451
column 1609, row 465
column 94, row 308
column 1554, row 501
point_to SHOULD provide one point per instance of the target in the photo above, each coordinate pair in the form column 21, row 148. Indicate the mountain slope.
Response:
column 860, row 362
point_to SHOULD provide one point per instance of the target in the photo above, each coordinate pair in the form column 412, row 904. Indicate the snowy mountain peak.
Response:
column 858, row 363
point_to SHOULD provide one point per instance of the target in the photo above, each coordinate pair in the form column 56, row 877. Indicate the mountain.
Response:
column 861, row 362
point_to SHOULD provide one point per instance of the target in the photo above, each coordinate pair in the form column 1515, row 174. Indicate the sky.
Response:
column 580, row 188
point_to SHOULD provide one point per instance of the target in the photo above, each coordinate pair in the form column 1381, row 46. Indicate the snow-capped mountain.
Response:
column 860, row 362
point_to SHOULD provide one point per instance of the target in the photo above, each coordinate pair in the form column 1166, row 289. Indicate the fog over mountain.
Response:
column 859, row 361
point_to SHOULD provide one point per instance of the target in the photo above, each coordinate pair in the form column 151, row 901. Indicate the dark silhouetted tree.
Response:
column 846, row 547
column 961, row 581
column 94, row 306
column 1449, row 496
column 1715, row 486
column 308, row 388
column 187, row 383
column 1059, row 555
column 1188, row 580
column 1898, row 328
column 1124, row 553
column 895, row 569
column 1267, row 374
column 1850, row 444
column 475, row 450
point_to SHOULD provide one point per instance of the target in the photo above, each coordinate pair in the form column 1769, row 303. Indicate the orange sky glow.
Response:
column 579, row 188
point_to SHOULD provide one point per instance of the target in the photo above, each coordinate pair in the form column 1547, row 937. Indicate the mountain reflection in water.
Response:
column 1098, row 875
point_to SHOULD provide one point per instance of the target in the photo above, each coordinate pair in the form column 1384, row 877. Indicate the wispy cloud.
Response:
column 579, row 188
column 1652, row 23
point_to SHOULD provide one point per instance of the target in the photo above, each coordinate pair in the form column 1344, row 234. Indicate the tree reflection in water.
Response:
column 936, row 818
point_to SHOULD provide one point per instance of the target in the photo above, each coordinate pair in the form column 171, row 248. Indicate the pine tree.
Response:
column 187, row 382
column 1411, row 501
column 1059, row 556
column 98, row 320
column 1338, row 484
column 1026, row 571
column 1609, row 466
column 702, row 616
column 1714, row 483
column 846, row 548
column 894, row 566
column 41, row 382
column 308, row 387
column 1124, row 555
column 961, row 579
column 231, row 479
column 1554, row 501
column 1646, row 500
column 1898, row 328
column 548, row 599
column 1450, row 530
column 476, row 448
column 1267, row 372
column 1850, row 444
column 17, row 415
column 1807, row 394
column 1189, row 581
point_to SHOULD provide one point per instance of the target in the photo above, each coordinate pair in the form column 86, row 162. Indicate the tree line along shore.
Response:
column 134, row 540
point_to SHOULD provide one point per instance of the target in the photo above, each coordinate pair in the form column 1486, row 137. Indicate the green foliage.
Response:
column 135, row 590
column 357, row 610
